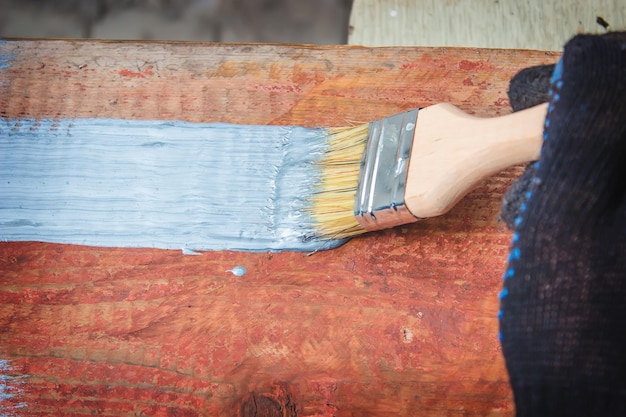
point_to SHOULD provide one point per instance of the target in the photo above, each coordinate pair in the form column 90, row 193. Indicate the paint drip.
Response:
column 159, row 184
column 238, row 271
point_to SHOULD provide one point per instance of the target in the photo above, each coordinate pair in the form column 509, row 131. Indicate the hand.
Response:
column 563, row 305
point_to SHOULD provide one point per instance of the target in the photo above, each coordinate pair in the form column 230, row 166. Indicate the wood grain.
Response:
column 530, row 24
column 453, row 151
column 400, row 322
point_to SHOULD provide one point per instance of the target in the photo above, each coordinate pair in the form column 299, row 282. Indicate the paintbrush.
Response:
column 214, row 186
column 416, row 165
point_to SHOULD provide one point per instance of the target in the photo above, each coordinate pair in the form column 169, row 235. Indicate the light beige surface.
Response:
column 453, row 151
column 531, row 24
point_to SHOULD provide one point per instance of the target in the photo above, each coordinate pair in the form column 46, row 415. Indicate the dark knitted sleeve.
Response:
column 563, row 303
column 527, row 88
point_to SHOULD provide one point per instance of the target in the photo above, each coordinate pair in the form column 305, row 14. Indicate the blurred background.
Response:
column 320, row 22
column 529, row 24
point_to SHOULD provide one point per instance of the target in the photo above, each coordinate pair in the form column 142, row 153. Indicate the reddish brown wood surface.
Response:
column 401, row 322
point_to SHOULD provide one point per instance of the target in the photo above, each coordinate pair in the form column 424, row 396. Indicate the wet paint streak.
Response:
column 159, row 184
column 10, row 390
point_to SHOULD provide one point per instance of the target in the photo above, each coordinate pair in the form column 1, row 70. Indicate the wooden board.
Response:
column 529, row 24
column 400, row 322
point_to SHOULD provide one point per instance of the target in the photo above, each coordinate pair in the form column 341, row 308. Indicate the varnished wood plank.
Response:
column 400, row 322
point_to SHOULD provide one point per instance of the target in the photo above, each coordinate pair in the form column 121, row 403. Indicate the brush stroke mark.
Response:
column 10, row 390
column 159, row 184
column 6, row 59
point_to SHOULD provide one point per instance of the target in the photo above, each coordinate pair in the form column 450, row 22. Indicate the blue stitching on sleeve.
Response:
column 515, row 252
column 504, row 293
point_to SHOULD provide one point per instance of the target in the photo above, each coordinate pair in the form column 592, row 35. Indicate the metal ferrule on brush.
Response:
column 379, row 202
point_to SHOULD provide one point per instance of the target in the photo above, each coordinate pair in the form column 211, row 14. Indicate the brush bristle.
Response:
column 332, row 203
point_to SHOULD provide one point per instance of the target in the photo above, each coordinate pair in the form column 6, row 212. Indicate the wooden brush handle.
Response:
column 453, row 151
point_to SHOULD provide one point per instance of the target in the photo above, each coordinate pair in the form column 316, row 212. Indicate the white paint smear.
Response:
column 10, row 390
column 159, row 184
